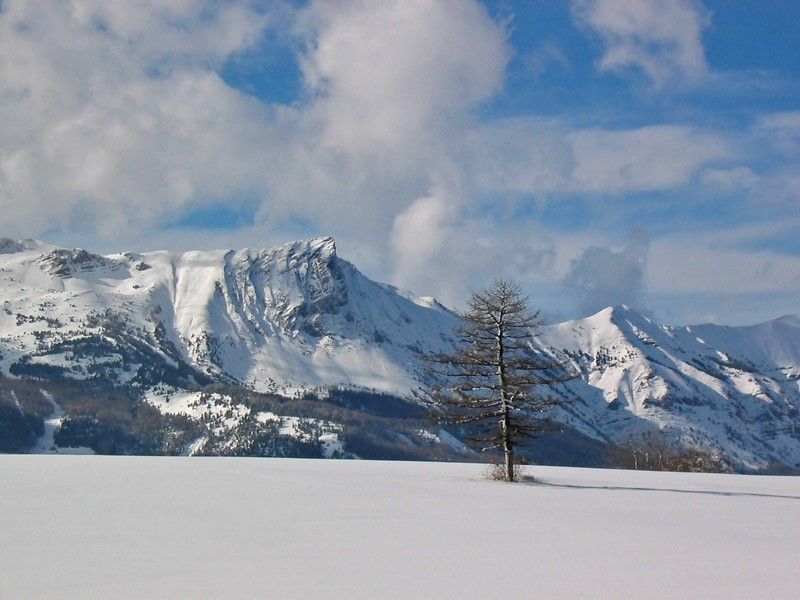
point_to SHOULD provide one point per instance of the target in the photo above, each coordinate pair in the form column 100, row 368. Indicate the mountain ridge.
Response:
column 297, row 318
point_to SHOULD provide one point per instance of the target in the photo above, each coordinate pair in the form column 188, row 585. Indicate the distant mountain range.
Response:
column 292, row 350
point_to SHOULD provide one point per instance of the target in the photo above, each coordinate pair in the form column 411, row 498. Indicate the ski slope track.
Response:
column 299, row 318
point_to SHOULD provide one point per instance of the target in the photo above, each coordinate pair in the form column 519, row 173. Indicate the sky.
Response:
column 599, row 152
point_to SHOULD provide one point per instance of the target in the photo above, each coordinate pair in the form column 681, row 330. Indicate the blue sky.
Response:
column 599, row 151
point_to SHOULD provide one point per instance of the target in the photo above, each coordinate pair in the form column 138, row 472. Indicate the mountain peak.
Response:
column 320, row 247
column 609, row 313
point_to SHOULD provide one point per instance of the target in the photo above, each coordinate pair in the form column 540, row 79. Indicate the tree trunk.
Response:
column 508, row 449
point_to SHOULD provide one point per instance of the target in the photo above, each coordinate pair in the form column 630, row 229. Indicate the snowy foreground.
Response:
column 130, row 527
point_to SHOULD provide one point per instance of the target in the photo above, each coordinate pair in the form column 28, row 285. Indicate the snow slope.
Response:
column 732, row 390
column 132, row 527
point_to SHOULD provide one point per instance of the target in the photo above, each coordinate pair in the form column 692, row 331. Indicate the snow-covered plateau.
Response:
column 250, row 351
column 165, row 527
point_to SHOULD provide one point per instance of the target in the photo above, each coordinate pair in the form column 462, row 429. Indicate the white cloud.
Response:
column 392, row 87
column 731, row 179
column 602, row 277
column 115, row 120
column 644, row 159
column 419, row 236
column 438, row 248
column 663, row 39
column 770, row 181
column 520, row 156
column 114, row 114
column 786, row 121
column 394, row 74
column 530, row 156
column 692, row 265
column 781, row 131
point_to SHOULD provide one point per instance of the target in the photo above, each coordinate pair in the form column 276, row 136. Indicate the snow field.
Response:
column 134, row 527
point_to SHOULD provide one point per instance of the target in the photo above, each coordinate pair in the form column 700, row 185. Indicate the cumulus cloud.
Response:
column 114, row 114
column 602, row 277
column 391, row 87
column 438, row 247
column 117, row 118
column 391, row 74
column 662, row 39
column 420, row 234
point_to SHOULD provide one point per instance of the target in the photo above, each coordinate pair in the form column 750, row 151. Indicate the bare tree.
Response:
column 491, row 383
column 656, row 452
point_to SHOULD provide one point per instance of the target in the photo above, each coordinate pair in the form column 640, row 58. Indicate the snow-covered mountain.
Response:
column 274, row 320
column 300, row 319
column 734, row 390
